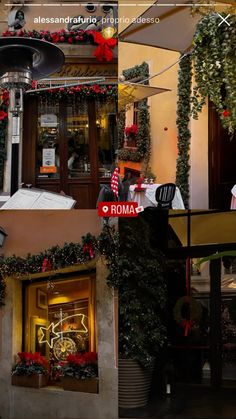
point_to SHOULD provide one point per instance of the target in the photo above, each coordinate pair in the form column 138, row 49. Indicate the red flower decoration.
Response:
column 55, row 37
column 70, row 40
column 3, row 115
column 131, row 131
column 226, row 113
column 5, row 97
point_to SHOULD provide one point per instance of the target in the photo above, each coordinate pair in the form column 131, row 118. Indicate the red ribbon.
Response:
column 187, row 325
column 105, row 46
column 88, row 248
column 47, row 265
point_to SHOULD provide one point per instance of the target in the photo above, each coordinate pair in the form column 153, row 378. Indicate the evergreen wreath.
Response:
column 143, row 149
column 187, row 313
column 184, row 134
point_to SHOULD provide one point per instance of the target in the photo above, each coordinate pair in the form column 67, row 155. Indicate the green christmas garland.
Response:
column 214, row 61
column 184, row 134
column 61, row 257
column 143, row 150
column 81, row 92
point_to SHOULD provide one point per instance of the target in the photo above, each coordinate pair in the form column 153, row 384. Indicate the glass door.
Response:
column 69, row 145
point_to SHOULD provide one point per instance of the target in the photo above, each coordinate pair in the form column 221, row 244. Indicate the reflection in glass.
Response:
column 47, row 151
column 77, row 137
column 228, row 325
column 106, row 136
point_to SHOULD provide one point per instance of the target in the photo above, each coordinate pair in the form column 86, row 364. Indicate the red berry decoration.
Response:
column 226, row 113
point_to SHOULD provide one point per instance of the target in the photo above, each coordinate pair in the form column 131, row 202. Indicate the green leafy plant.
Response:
column 30, row 363
column 184, row 134
column 214, row 68
column 142, row 294
column 81, row 366
column 143, row 138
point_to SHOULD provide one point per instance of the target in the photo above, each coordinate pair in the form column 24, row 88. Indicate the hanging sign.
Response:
column 15, row 130
column 48, row 120
column 49, row 165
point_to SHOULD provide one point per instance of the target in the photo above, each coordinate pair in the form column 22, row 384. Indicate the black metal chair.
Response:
column 164, row 195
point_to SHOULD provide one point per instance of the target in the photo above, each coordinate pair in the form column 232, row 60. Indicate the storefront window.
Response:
column 48, row 148
column 78, row 139
column 106, row 136
column 60, row 320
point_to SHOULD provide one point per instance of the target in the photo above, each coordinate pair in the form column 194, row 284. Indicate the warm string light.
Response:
column 107, row 244
column 49, row 334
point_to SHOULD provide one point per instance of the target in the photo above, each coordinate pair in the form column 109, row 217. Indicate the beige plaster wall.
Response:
column 163, row 115
column 51, row 403
column 34, row 231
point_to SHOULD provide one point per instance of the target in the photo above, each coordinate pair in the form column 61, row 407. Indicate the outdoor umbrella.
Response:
column 173, row 31
column 206, row 228
column 135, row 92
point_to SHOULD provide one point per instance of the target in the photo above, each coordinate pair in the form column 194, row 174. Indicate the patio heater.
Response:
column 21, row 61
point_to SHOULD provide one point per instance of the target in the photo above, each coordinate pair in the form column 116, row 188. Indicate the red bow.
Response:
column 187, row 325
column 105, row 46
column 88, row 248
column 47, row 265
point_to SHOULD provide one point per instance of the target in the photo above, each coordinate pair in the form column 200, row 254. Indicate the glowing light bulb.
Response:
column 108, row 32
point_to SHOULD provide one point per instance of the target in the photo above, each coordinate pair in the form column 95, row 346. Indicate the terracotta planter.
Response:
column 134, row 384
column 85, row 386
column 34, row 380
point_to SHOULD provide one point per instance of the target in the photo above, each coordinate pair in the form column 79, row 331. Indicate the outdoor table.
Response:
column 233, row 200
column 147, row 198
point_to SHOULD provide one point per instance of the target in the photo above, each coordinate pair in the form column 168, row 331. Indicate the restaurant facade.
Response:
column 69, row 138
column 56, row 303
column 210, row 146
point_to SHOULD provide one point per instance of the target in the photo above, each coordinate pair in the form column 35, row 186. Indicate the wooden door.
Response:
column 81, row 141
column 222, row 163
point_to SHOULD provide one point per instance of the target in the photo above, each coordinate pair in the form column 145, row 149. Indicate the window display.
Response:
column 60, row 320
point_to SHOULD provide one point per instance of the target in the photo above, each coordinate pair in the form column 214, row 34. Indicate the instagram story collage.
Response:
column 117, row 209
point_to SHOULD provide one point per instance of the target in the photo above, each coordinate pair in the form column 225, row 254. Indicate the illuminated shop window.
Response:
column 60, row 319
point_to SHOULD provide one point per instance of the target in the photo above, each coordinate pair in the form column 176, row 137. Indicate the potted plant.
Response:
column 80, row 373
column 142, row 304
column 30, row 370
column 131, row 135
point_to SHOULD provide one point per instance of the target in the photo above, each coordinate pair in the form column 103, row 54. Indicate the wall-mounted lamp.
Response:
column 3, row 235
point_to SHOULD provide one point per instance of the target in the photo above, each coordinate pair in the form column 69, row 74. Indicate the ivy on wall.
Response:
column 215, row 67
column 143, row 149
column 184, row 134
column 214, row 64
